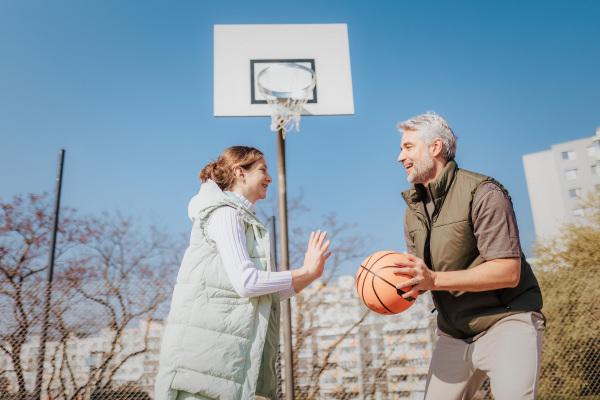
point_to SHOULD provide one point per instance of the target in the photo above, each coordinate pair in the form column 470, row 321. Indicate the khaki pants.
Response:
column 508, row 353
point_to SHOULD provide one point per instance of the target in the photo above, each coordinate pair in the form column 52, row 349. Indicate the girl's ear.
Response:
column 238, row 172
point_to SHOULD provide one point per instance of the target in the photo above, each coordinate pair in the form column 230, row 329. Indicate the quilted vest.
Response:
column 449, row 244
column 217, row 344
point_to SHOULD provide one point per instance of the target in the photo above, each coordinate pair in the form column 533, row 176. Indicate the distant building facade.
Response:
column 383, row 357
column 558, row 178
column 71, row 366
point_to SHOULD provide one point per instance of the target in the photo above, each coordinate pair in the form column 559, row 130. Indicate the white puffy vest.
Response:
column 217, row 344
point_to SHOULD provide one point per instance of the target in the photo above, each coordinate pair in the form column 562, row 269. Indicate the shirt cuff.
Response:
column 287, row 293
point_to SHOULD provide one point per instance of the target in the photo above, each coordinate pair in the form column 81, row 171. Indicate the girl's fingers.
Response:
column 316, row 241
column 316, row 238
column 326, row 256
column 322, row 238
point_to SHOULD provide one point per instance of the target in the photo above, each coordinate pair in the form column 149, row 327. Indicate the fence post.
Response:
column 46, row 316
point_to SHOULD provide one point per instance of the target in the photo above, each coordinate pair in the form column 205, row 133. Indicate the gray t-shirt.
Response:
column 494, row 222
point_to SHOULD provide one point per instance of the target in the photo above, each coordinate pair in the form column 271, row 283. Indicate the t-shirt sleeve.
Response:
column 495, row 223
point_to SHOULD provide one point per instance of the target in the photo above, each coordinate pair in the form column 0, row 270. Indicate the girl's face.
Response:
column 252, row 183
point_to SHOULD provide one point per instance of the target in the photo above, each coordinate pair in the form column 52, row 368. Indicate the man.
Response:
column 463, row 246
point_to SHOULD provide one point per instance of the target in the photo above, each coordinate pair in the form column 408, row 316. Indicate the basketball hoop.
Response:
column 287, row 88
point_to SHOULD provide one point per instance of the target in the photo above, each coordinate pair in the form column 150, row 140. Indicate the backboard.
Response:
column 243, row 51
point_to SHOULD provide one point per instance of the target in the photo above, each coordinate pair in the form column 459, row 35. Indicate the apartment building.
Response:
column 558, row 178
column 345, row 351
column 72, row 365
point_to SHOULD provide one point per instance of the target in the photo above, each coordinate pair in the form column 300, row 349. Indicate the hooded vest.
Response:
column 216, row 343
column 449, row 244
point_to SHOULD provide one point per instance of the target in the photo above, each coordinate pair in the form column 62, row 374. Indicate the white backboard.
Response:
column 243, row 51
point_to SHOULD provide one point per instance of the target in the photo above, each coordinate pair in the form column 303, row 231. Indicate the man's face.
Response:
column 416, row 158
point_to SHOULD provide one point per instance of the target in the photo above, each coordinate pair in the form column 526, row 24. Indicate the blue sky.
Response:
column 126, row 87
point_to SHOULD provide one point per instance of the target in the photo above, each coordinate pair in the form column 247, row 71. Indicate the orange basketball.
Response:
column 376, row 283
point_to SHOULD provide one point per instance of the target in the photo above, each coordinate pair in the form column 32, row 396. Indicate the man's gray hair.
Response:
column 431, row 126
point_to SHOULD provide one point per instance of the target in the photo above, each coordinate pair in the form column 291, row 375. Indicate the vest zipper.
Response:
column 441, row 308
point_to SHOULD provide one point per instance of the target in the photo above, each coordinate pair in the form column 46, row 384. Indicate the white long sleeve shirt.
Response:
column 227, row 231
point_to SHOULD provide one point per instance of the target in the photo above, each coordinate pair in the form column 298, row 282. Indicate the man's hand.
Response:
column 493, row 274
column 422, row 277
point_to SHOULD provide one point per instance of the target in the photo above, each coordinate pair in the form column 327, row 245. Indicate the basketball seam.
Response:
column 376, row 295
column 368, row 270
column 363, row 286
column 383, row 279
column 388, row 282
column 375, row 262
column 363, row 283
column 358, row 289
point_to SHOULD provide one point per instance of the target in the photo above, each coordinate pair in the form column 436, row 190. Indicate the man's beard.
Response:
column 422, row 171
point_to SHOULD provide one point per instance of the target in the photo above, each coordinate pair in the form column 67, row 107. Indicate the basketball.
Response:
column 376, row 284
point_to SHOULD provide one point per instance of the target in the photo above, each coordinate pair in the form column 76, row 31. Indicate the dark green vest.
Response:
column 449, row 244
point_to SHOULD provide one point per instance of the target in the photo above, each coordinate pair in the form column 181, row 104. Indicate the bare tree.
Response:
column 347, row 247
column 119, row 279
column 25, row 229
column 111, row 274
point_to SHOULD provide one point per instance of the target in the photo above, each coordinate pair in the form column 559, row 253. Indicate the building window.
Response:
column 568, row 155
column 578, row 212
column 591, row 151
column 575, row 193
column 571, row 174
column 595, row 169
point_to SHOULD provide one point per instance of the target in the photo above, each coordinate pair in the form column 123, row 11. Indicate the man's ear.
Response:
column 436, row 147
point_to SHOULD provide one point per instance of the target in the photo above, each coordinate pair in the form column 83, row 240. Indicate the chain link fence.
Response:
column 90, row 354
column 103, row 341
column 571, row 345
column 111, row 293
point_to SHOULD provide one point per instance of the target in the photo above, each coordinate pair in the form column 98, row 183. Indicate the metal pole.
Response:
column 273, row 230
column 285, row 261
column 46, row 316
column 274, row 240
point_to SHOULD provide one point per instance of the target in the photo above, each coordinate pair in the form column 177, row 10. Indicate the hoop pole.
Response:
column 283, row 249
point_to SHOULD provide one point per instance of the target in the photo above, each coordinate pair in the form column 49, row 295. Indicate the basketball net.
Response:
column 286, row 113
column 287, row 88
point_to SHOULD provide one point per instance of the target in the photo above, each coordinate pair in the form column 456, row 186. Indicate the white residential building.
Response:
column 558, row 178
column 86, row 355
column 382, row 357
